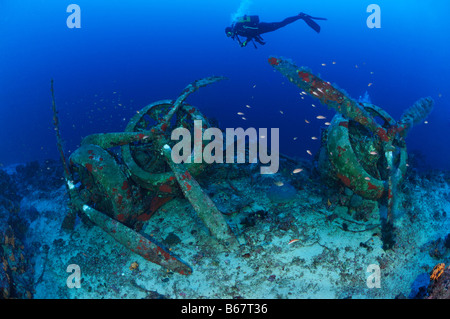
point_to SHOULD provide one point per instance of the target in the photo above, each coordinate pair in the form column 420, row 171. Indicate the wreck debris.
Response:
column 354, row 139
column 118, row 195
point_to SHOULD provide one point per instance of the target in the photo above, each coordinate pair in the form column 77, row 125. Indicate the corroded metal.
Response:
column 355, row 141
column 146, row 175
column 202, row 204
column 106, row 173
column 327, row 94
column 136, row 242
column 119, row 194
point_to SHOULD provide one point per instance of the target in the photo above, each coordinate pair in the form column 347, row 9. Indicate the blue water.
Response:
column 128, row 54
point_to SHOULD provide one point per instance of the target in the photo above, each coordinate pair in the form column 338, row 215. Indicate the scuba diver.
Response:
column 251, row 28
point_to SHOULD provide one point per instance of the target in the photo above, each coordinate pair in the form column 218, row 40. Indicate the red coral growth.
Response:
column 305, row 76
column 381, row 132
column 119, row 199
column 326, row 92
column 344, row 124
column 155, row 204
column 165, row 188
column 371, row 186
column 188, row 187
column 273, row 61
column 344, row 179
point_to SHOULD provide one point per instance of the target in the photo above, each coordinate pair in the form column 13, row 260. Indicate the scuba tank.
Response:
column 251, row 21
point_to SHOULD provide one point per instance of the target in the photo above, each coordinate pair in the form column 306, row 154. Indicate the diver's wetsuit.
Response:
column 251, row 28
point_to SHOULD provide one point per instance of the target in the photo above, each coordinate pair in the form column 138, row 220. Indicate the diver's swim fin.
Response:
column 312, row 24
column 315, row 18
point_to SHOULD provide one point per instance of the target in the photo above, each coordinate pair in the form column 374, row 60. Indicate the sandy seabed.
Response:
column 333, row 256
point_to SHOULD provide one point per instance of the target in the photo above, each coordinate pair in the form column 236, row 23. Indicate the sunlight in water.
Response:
column 242, row 10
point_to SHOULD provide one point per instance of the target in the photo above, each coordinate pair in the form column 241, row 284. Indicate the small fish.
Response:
column 254, row 86
column 248, row 106
column 367, row 178
column 297, row 170
column 373, row 153
column 306, row 121
column 334, row 62
column 370, row 84
column 281, row 112
column 327, row 123
column 328, row 202
column 320, row 117
column 240, row 113
column 356, row 66
column 323, row 64
column 309, row 152
column 313, row 105
column 295, row 138
column 426, row 122
column 293, row 241
column 313, row 138
column 371, row 72
column 244, row 118
column 279, row 183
